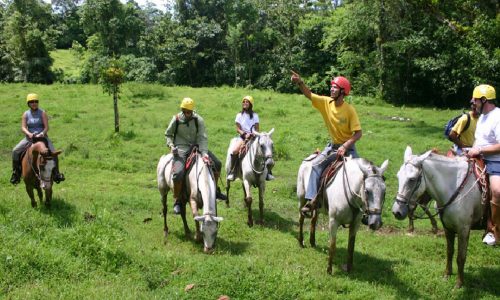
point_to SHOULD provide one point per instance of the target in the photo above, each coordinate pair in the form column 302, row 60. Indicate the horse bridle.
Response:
column 400, row 198
column 440, row 210
column 367, row 210
column 265, row 158
column 30, row 162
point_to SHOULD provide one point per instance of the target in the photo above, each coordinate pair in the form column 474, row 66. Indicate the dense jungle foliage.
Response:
column 424, row 52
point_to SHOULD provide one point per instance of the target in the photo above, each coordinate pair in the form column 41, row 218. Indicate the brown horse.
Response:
column 423, row 202
column 37, row 166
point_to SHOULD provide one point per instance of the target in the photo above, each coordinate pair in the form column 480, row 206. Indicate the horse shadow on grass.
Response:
column 371, row 269
column 273, row 220
column 64, row 213
column 485, row 281
column 223, row 245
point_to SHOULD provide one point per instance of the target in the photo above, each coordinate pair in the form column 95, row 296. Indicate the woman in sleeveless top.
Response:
column 34, row 124
column 246, row 122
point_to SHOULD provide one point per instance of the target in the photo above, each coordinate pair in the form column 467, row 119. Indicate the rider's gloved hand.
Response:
column 40, row 135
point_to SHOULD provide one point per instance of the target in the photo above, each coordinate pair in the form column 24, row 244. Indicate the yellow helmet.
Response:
column 484, row 90
column 187, row 103
column 249, row 98
column 31, row 97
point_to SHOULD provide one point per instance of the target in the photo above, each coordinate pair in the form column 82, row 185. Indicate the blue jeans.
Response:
column 319, row 164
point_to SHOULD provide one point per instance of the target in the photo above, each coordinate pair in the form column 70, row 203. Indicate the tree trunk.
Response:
column 382, row 27
column 115, row 103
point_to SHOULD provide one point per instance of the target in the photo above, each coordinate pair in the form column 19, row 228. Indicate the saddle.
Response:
column 326, row 176
column 483, row 183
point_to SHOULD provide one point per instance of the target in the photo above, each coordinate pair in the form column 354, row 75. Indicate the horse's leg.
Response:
column 187, row 232
column 301, row 229
column 312, row 231
column 194, row 209
column 262, row 190
column 332, row 226
column 433, row 220
column 450, row 241
column 228, row 185
column 463, row 242
column 164, row 212
column 248, row 202
column 48, row 197
column 353, row 229
column 411, row 226
column 40, row 193
column 31, row 194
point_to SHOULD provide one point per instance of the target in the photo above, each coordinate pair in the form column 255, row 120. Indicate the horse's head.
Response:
column 46, row 165
column 209, row 227
column 266, row 146
column 43, row 163
column 410, row 184
column 374, row 191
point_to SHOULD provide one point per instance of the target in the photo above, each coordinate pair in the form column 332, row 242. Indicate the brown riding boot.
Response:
column 232, row 170
column 16, row 172
column 177, row 197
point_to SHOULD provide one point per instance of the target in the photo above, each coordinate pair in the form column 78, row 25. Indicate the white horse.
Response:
column 358, row 188
column 200, row 184
column 449, row 181
column 253, row 170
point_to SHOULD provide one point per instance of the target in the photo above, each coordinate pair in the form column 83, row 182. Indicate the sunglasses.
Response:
column 33, row 101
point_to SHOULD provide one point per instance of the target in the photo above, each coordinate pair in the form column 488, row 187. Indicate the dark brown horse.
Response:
column 37, row 166
column 422, row 202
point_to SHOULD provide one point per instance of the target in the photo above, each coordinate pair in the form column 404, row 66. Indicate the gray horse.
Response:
column 358, row 188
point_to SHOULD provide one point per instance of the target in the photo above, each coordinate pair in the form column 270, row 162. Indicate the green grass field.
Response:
column 93, row 243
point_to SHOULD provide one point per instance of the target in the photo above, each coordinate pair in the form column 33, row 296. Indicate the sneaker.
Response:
column 489, row 239
column 177, row 209
column 230, row 177
column 219, row 195
column 269, row 177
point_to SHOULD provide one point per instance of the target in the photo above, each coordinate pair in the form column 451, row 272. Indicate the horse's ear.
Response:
column 383, row 167
column 424, row 156
column 271, row 132
column 408, row 153
column 57, row 152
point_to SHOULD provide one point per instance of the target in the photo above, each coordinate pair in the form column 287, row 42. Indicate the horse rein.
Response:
column 368, row 210
column 453, row 197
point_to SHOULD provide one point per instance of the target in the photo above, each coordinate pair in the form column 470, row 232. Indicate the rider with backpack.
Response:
column 34, row 124
column 186, row 130
column 342, row 123
column 462, row 133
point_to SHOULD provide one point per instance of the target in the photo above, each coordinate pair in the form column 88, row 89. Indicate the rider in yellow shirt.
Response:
column 343, row 125
column 461, row 136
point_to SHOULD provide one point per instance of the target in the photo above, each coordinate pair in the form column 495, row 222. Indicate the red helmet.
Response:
column 343, row 83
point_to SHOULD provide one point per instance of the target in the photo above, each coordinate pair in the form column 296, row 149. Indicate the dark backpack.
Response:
column 449, row 125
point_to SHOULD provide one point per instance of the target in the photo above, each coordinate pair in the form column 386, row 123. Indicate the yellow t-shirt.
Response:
column 467, row 136
column 341, row 121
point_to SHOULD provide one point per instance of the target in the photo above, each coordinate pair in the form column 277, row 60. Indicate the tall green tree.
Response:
column 29, row 36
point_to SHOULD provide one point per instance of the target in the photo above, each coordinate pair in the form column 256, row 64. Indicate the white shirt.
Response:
column 488, row 132
column 245, row 122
